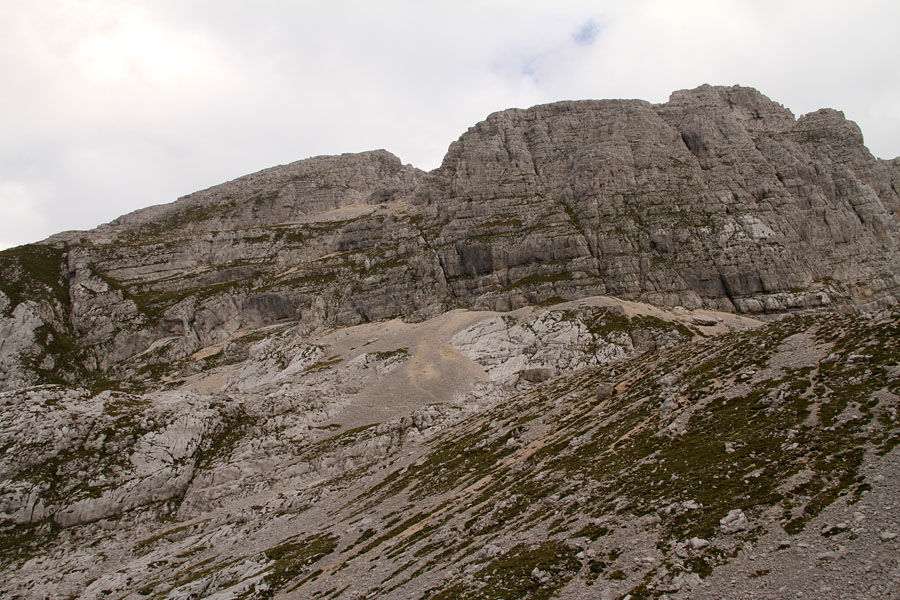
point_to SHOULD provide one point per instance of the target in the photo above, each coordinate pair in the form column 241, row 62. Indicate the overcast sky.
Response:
column 112, row 105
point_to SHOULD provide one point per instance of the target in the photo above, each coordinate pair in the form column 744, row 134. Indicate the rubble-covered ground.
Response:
column 589, row 449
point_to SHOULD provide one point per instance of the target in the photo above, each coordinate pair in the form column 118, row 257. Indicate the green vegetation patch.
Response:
column 736, row 452
column 523, row 572
column 322, row 365
column 220, row 446
column 351, row 437
column 169, row 532
column 514, row 223
column 21, row 542
column 154, row 304
column 33, row 272
column 65, row 364
column 37, row 273
column 538, row 279
column 62, row 477
column 293, row 558
column 399, row 353
column 552, row 300
column 182, row 217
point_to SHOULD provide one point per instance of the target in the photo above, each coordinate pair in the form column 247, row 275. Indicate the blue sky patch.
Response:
column 587, row 34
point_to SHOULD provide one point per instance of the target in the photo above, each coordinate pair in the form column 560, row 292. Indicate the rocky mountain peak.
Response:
column 747, row 103
column 608, row 349
column 283, row 194
column 718, row 198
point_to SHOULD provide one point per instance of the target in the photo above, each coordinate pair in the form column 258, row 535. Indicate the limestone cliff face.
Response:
column 718, row 198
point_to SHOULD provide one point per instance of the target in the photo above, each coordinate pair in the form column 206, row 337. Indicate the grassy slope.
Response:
column 579, row 469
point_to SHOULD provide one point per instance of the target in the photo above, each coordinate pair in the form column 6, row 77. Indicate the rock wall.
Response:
column 719, row 198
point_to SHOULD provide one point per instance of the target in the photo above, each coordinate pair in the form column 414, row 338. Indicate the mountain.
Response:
column 606, row 349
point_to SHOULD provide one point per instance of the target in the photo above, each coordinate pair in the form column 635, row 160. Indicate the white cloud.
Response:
column 113, row 105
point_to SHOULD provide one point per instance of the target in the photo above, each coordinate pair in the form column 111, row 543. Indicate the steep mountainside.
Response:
column 592, row 449
column 716, row 198
column 607, row 349
column 719, row 198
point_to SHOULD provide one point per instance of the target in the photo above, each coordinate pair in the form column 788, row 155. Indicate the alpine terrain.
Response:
column 607, row 350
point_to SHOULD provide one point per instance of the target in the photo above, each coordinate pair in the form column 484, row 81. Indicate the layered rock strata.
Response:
column 718, row 198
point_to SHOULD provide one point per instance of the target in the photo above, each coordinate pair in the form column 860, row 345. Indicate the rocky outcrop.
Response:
column 536, row 349
column 37, row 343
column 276, row 196
column 719, row 198
column 81, row 458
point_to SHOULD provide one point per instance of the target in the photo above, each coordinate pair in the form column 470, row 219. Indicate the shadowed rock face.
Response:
column 719, row 198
